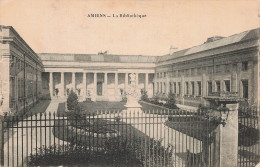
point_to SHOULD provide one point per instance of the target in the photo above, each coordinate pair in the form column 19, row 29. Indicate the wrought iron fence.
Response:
column 248, row 137
column 109, row 138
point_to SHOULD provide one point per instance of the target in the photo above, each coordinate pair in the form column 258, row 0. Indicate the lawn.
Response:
column 40, row 107
column 140, row 145
column 192, row 126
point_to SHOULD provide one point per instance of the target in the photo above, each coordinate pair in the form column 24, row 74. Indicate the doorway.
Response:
column 99, row 88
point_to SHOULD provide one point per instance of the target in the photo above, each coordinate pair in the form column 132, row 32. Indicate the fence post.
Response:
column 1, row 140
column 224, row 149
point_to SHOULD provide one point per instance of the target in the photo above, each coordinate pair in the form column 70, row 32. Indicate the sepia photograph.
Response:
column 130, row 83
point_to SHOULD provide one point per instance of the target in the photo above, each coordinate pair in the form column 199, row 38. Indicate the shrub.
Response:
column 115, row 153
column 72, row 100
column 171, row 102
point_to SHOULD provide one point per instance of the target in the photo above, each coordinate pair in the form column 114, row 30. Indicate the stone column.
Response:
column 229, row 138
column 182, row 89
column 126, row 80
column 224, row 147
column 105, row 84
column 234, row 78
column 116, row 84
column 137, row 81
column 84, row 82
column 146, row 81
column 73, row 81
column 95, row 86
column 51, row 84
column 62, row 84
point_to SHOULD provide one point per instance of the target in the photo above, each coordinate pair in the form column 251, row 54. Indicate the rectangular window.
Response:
column 198, row 71
column 186, row 88
column 170, row 87
column 218, row 68
column 244, row 65
column 227, row 85
column 192, row 88
column 209, row 88
column 193, row 71
column 218, row 86
column 164, row 87
column 179, row 85
column 245, row 88
column 175, row 91
column 164, row 74
column 187, row 72
column 199, row 88
column 227, row 68
column 210, row 70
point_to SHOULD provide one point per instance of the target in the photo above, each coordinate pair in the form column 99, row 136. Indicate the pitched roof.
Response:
column 233, row 39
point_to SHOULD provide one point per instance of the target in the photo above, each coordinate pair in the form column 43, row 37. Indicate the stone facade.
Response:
column 229, row 64
column 99, row 77
column 21, row 70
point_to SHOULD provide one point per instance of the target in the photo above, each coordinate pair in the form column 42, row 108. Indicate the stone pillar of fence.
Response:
column 223, row 147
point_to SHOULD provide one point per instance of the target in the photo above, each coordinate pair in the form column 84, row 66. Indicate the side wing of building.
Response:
column 21, row 70
column 225, row 65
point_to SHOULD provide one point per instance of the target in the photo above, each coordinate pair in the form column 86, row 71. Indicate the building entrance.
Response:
column 99, row 88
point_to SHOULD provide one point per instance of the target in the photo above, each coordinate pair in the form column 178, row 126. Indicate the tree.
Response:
column 72, row 100
column 171, row 102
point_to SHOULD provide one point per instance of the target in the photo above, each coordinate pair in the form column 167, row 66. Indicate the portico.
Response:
column 97, row 85
column 99, row 77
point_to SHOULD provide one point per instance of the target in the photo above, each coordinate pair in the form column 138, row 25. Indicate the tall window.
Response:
column 218, row 86
column 179, row 85
column 244, row 65
column 187, row 88
column 210, row 70
column 218, row 68
column 227, row 68
column 199, row 88
column 174, row 85
column 209, row 87
column 199, row 70
column 170, row 87
column 192, row 88
column 245, row 88
column 187, row 72
column 164, row 87
column 227, row 85
column 193, row 71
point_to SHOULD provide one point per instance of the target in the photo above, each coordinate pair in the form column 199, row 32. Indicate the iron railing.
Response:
column 109, row 138
column 248, row 137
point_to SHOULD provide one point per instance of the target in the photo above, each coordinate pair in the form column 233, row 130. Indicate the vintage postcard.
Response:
column 121, row 83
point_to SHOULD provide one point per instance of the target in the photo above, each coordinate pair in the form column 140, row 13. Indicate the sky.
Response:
column 63, row 26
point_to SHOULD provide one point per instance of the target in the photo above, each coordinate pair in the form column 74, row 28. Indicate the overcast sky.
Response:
column 62, row 26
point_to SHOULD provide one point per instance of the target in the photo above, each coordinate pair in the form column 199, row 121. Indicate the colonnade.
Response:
column 61, row 92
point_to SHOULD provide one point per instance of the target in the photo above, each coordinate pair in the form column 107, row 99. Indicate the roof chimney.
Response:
column 214, row 38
